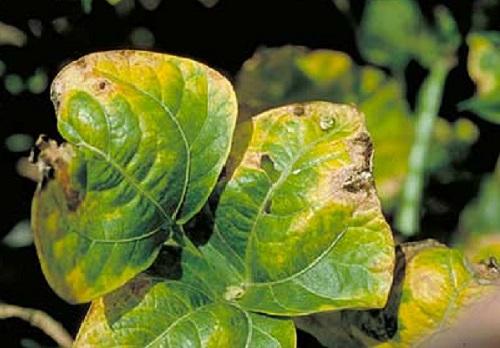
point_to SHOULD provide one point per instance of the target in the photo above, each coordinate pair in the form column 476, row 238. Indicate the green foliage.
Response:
column 86, row 6
column 298, row 204
column 386, row 29
column 277, row 76
column 154, row 312
column 480, row 221
column 484, row 69
column 385, row 42
column 481, row 216
column 123, row 216
column 451, row 142
column 298, row 228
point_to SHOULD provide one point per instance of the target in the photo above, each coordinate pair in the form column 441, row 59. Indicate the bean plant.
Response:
column 192, row 213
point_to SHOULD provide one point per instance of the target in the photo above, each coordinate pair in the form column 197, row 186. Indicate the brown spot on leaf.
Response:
column 298, row 110
column 82, row 62
column 364, row 143
column 53, row 163
column 359, row 181
column 488, row 269
column 103, row 85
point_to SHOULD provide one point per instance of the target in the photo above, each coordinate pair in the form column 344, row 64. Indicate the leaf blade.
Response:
column 137, row 161
column 154, row 312
column 298, row 226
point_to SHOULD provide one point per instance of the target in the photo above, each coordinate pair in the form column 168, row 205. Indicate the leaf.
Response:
column 148, row 135
column 299, row 218
column 159, row 312
column 480, row 221
column 86, row 6
column 450, row 143
column 482, row 216
column 298, row 229
column 434, row 287
column 385, row 30
column 178, row 310
column 278, row 76
column 484, row 69
column 392, row 32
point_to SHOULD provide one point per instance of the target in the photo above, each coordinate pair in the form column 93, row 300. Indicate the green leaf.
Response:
column 148, row 135
column 278, row 76
column 480, row 221
column 433, row 287
column 386, row 29
column 158, row 312
column 392, row 32
column 481, row 215
column 450, row 143
column 484, row 69
column 299, row 219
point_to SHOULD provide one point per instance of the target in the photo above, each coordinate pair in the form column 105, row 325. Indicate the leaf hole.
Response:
column 268, row 165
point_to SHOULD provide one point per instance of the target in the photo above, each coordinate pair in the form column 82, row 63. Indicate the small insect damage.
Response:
column 488, row 270
column 53, row 162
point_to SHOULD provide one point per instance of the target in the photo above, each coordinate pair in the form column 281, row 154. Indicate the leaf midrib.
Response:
column 174, row 120
column 199, row 309
column 283, row 177
column 127, row 177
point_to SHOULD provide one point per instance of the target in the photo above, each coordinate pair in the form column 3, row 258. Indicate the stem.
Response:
column 428, row 103
column 39, row 319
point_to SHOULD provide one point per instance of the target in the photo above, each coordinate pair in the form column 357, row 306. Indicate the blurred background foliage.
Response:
column 277, row 53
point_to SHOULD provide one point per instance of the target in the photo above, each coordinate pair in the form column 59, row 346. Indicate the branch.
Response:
column 39, row 319
column 428, row 103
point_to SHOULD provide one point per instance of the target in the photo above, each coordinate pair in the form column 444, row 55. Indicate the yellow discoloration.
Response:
column 325, row 66
column 52, row 222
column 135, row 123
column 485, row 80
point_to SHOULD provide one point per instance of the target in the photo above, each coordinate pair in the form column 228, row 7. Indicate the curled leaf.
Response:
column 148, row 135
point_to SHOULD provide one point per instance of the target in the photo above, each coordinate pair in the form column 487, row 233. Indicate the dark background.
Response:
column 223, row 37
